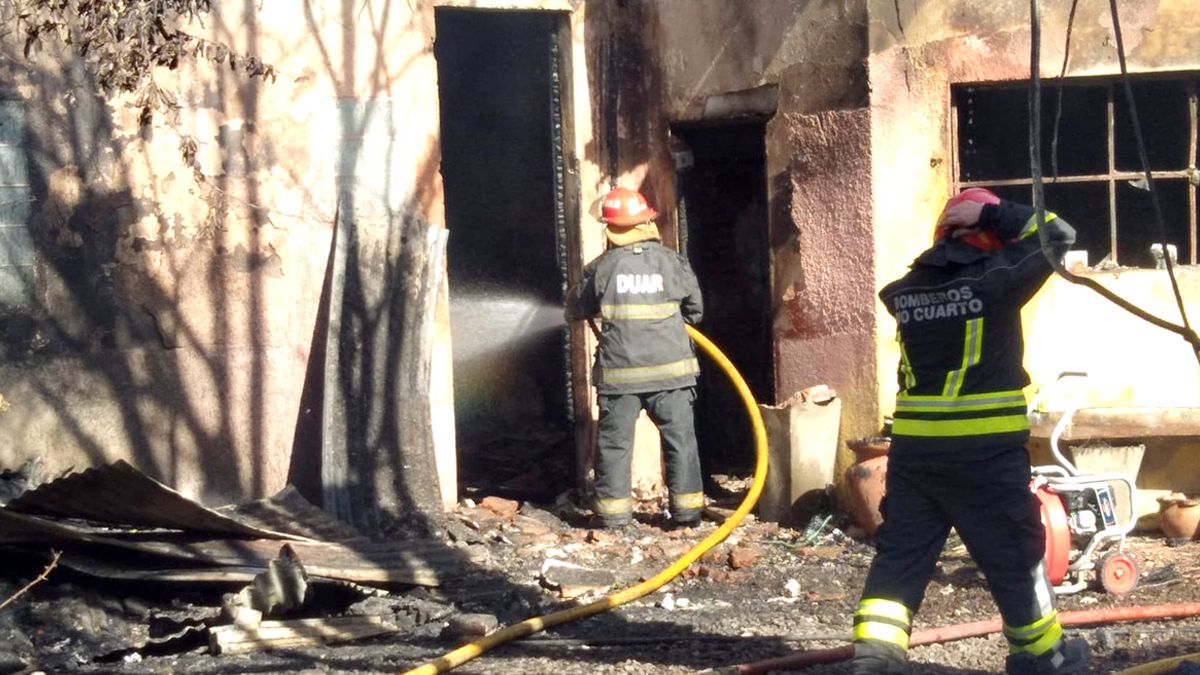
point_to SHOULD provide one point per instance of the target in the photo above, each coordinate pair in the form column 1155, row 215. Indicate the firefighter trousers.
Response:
column 671, row 411
column 989, row 503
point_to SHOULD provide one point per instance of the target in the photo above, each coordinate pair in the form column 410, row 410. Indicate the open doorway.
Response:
column 500, row 82
column 722, row 192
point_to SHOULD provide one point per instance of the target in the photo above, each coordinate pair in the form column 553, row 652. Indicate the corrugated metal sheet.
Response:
column 288, row 511
column 131, row 526
column 119, row 494
column 422, row 562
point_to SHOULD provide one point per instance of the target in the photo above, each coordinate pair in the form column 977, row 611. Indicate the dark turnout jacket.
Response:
column 643, row 292
column 958, row 311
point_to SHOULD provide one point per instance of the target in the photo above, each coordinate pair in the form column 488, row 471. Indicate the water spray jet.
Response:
column 490, row 320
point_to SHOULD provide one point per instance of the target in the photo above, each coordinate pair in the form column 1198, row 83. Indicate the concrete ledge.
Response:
column 1106, row 423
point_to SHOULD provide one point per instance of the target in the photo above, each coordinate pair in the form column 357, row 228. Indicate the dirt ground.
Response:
column 763, row 593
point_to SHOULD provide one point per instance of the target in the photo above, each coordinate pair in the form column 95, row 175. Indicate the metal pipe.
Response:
column 961, row 631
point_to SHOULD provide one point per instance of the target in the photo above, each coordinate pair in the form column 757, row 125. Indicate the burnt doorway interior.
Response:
column 500, row 81
column 722, row 193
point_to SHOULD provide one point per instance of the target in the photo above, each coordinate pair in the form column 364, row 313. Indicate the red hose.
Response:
column 962, row 631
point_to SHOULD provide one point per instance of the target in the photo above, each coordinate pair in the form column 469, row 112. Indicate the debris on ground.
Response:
column 158, row 597
column 467, row 627
column 144, row 571
column 573, row 581
column 263, row 635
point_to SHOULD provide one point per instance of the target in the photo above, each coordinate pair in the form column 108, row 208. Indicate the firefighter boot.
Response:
column 873, row 657
column 1070, row 656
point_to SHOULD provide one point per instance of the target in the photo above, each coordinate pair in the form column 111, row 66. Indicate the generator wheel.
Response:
column 1118, row 572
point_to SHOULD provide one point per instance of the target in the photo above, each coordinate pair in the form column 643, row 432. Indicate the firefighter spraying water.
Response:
column 645, row 294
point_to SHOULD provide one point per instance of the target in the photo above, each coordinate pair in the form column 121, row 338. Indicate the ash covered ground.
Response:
column 765, row 592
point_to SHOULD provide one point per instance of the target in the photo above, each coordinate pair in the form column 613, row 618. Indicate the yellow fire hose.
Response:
column 539, row 623
column 1162, row 666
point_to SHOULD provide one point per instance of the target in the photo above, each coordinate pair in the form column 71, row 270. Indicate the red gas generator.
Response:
column 1086, row 517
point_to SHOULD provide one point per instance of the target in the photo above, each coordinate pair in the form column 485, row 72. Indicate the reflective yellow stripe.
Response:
column 972, row 349
column 1047, row 641
column 1042, row 590
column 960, row 427
column 884, row 632
column 1031, row 225
column 884, row 620
column 688, row 500
column 1032, row 630
column 1043, row 644
column 663, row 310
column 910, row 379
column 887, row 609
column 666, row 371
column 989, row 401
column 613, row 506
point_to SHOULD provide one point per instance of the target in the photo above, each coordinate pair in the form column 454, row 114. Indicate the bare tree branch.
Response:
column 121, row 45
column 40, row 578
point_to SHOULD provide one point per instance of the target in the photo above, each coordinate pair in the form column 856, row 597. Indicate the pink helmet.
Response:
column 981, row 240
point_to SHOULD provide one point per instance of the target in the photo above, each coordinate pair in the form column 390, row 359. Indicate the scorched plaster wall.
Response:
column 918, row 51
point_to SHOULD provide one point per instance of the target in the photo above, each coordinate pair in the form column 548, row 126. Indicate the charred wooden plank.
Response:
column 233, row 639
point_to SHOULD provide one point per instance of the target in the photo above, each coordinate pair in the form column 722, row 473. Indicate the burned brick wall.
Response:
column 802, row 68
column 927, row 59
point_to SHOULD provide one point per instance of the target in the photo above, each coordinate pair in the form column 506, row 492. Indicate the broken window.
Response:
column 16, row 198
column 1093, row 174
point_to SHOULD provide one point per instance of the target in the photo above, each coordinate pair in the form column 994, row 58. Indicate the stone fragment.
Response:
column 543, row 516
column 530, row 526
column 826, row 552
column 11, row 663
column 572, row 581
column 744, row 556
column 469, row 626
column 505, row 508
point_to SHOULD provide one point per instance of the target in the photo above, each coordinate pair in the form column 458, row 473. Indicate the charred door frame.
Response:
column 681, row 153
column 566, row 181
column 567, row 213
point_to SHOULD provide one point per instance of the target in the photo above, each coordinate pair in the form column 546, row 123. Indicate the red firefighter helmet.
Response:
column 623, row 207
column 981, row 240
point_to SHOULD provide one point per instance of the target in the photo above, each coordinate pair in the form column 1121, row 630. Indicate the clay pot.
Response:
column 865, row 482
column 869, row 448
column 1178, row 516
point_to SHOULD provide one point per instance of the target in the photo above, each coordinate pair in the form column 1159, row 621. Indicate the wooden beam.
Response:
column 233, row 639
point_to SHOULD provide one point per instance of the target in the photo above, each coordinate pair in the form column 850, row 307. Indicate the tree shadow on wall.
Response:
column 150, row 332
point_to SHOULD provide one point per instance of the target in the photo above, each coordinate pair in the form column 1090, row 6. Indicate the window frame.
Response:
column 18, row 252
column 1189, row 175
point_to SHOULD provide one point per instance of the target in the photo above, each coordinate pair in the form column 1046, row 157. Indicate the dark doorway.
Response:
column 500, row 81
column 723, row 231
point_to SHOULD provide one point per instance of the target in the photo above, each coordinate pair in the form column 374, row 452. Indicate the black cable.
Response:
column 1035, row 161
column 1035, row 119
column 1159, row 221
column 1062, row 74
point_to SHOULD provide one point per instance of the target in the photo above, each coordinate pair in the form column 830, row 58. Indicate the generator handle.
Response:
column 1064, row 422
column 1059, row 428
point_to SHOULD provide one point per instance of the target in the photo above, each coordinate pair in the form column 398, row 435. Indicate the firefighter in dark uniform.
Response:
column 958, row 456
column 643, row 292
